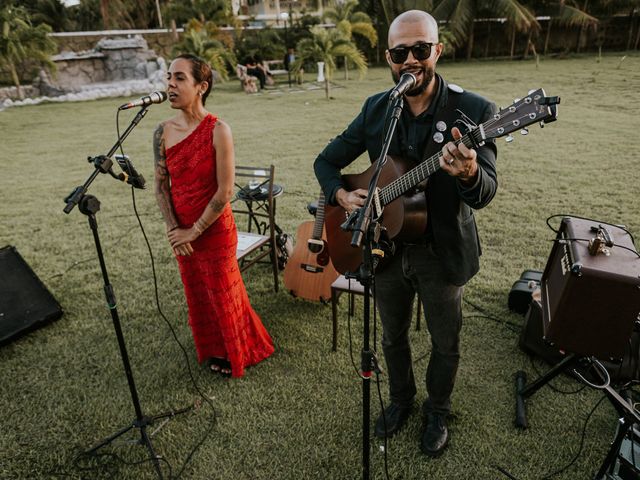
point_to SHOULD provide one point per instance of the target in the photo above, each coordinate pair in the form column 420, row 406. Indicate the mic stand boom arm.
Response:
column 103, row 164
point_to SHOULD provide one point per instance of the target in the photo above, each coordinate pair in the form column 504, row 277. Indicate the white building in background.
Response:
column 270, row 12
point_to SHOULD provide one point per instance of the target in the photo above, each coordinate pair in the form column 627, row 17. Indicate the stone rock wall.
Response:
column 120, row 66
column 160, row 41
column 111, row 60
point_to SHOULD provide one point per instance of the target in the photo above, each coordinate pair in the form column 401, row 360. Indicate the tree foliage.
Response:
column 351, row 22
column 21, row 42
column 326, row 45
column 215, row 11
column 205, row 41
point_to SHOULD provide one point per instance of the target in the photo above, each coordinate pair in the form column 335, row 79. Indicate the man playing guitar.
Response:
column 442, row 258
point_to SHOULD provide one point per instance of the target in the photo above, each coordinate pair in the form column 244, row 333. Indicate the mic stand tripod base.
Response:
column 145, row 436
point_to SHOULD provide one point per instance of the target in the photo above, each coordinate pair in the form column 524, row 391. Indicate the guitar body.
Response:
column 405, row 218
column 307, row 274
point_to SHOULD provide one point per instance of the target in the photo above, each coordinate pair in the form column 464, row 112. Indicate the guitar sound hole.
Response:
column 315, row 247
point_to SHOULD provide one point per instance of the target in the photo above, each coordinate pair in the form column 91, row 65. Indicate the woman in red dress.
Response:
column 194, row 172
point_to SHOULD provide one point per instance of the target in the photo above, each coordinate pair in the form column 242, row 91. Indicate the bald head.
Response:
column 410, row 20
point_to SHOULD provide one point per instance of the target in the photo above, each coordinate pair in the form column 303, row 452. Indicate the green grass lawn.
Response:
column 298, row 414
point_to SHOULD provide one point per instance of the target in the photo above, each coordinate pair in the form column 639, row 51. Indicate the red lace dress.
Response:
column 221, row 318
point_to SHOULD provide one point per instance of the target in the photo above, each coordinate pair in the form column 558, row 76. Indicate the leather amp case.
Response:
column 591, row 301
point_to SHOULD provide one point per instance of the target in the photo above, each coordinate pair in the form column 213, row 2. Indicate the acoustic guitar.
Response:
column 309, row 272
column 400, row 200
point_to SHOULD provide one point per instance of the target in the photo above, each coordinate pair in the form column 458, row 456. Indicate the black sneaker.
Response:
column 435, row 436
column 395, row 417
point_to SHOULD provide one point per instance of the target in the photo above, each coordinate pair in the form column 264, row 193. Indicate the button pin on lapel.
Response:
column 438, row 137
column 441, row 126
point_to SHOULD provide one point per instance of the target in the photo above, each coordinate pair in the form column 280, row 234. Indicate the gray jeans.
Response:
column 415, row 268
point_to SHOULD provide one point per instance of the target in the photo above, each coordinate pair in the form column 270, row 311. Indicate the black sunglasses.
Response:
column 420, row 51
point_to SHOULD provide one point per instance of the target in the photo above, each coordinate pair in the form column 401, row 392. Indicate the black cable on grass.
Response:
column 114, row 464
column 510, row 325
column 572, row 461
column 582, row 436
column 85, row 260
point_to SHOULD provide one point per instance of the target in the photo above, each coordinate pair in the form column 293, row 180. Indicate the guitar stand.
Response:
column 628, row 415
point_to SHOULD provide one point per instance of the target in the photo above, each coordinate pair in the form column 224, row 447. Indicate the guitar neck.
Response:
column 416, row 175
column 319, row 222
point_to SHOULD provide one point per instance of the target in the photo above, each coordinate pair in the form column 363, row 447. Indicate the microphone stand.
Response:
column 366, row 227
column 89, row 205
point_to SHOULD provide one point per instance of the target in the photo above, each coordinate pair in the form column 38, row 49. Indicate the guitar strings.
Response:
column 430, row 165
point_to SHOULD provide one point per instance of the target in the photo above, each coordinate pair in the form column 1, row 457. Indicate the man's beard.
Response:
column 428, row 73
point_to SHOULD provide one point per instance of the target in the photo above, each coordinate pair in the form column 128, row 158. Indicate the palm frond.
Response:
column 367, row 31
column 573, row 17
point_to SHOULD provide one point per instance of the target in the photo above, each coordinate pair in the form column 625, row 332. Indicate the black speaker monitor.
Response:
column 25, row 303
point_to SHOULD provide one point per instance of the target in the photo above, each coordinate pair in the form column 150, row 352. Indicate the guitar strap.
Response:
column 445, row 118
column 443, row 121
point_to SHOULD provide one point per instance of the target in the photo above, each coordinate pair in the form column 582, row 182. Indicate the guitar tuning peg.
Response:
column 524, row 131
column 509, row 138
column 542, row 124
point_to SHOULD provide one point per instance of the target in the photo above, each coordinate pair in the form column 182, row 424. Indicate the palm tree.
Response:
column 21, row 41
column 216, row 11
column 393, row 8
column 350, row 23
column 462, row 13
column 563, row 13
column 200, row 39
column 325, row 46
column 51, row 12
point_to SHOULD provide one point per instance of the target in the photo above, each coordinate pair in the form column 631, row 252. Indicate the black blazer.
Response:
column 449, row 204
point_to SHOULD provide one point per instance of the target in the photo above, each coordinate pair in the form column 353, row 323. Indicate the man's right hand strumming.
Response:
column 351, row 201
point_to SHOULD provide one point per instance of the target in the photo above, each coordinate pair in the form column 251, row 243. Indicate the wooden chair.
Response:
column 254, row 209
column 353, row 288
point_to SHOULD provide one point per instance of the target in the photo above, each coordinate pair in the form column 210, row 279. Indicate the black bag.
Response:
column 522, row 289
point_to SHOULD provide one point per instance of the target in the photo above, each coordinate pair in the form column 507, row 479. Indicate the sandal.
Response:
column 221, row 366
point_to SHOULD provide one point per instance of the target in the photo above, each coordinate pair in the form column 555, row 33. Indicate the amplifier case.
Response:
column 590, row 302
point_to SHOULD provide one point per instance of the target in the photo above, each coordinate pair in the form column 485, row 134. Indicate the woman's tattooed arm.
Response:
column 162, row 184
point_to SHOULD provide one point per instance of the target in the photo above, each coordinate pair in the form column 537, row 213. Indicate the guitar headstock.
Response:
column 535, row 107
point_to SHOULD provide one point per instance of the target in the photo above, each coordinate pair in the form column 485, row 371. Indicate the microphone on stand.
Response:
column 130, row 175
column 406, row 82
column 155, row 97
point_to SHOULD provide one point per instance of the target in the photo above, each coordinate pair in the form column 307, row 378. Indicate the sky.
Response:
column 70, row 3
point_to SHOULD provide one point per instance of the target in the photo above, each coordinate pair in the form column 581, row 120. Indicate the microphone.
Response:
column 155, row 97
column 407, row 80
column 130, row 175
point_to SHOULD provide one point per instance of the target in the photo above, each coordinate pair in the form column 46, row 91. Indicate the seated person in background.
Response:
column 254, row 70
column 268, row 76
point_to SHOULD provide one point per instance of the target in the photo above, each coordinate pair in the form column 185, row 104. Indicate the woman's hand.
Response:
column 185, row 249
column 182, row 237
